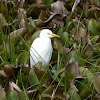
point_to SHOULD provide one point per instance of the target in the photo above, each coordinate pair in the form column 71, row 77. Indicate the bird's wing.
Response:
column 34, row 56
column 41, row 50
column 36, row 51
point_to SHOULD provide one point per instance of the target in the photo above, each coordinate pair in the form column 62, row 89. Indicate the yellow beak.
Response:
column 54, row 35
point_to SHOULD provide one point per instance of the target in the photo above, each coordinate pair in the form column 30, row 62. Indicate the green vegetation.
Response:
column 74, row 70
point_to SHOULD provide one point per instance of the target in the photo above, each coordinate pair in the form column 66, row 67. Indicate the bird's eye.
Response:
column 48, row 33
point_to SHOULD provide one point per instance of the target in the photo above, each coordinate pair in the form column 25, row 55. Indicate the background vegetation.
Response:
column 74, row 70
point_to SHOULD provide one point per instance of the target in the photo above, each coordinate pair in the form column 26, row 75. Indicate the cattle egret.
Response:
column 41, row 48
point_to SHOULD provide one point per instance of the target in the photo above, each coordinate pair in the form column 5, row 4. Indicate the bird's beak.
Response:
column 54, row 35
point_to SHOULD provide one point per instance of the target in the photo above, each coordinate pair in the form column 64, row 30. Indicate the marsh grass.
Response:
column 12, row 58
column 74, row 76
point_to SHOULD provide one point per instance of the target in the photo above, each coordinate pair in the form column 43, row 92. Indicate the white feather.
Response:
column 41, row 49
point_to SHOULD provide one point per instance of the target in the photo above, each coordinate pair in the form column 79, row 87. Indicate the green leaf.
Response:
column 34, row 36
column 94, row 39
column 86, row 74
column 97, row 2
column 33, row 78
column 68, row 26
column 49, row 89
column 48, row 2
column 43, row 15
column 23, row 57
column 81, row 85
column 80, row 11
column 58, row 44
column 77, row 56
column 33, row 23
column 94, row 27
column 56, row 73
column 97, row 84
column 74, row 95
column 12, row 95
column 59, row 30
column 22, row 96
column 85, row 92
column 90, row 12
column 64, row 37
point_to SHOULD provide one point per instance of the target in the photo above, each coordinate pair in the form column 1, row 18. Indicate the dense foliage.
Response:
column 74, row 70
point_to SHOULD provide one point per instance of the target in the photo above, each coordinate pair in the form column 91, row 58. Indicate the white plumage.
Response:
column 41, row 48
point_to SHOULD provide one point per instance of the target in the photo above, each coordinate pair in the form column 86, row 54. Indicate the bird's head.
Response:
column 47, row 33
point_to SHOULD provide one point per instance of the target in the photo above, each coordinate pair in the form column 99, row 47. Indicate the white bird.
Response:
column 41, row 48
